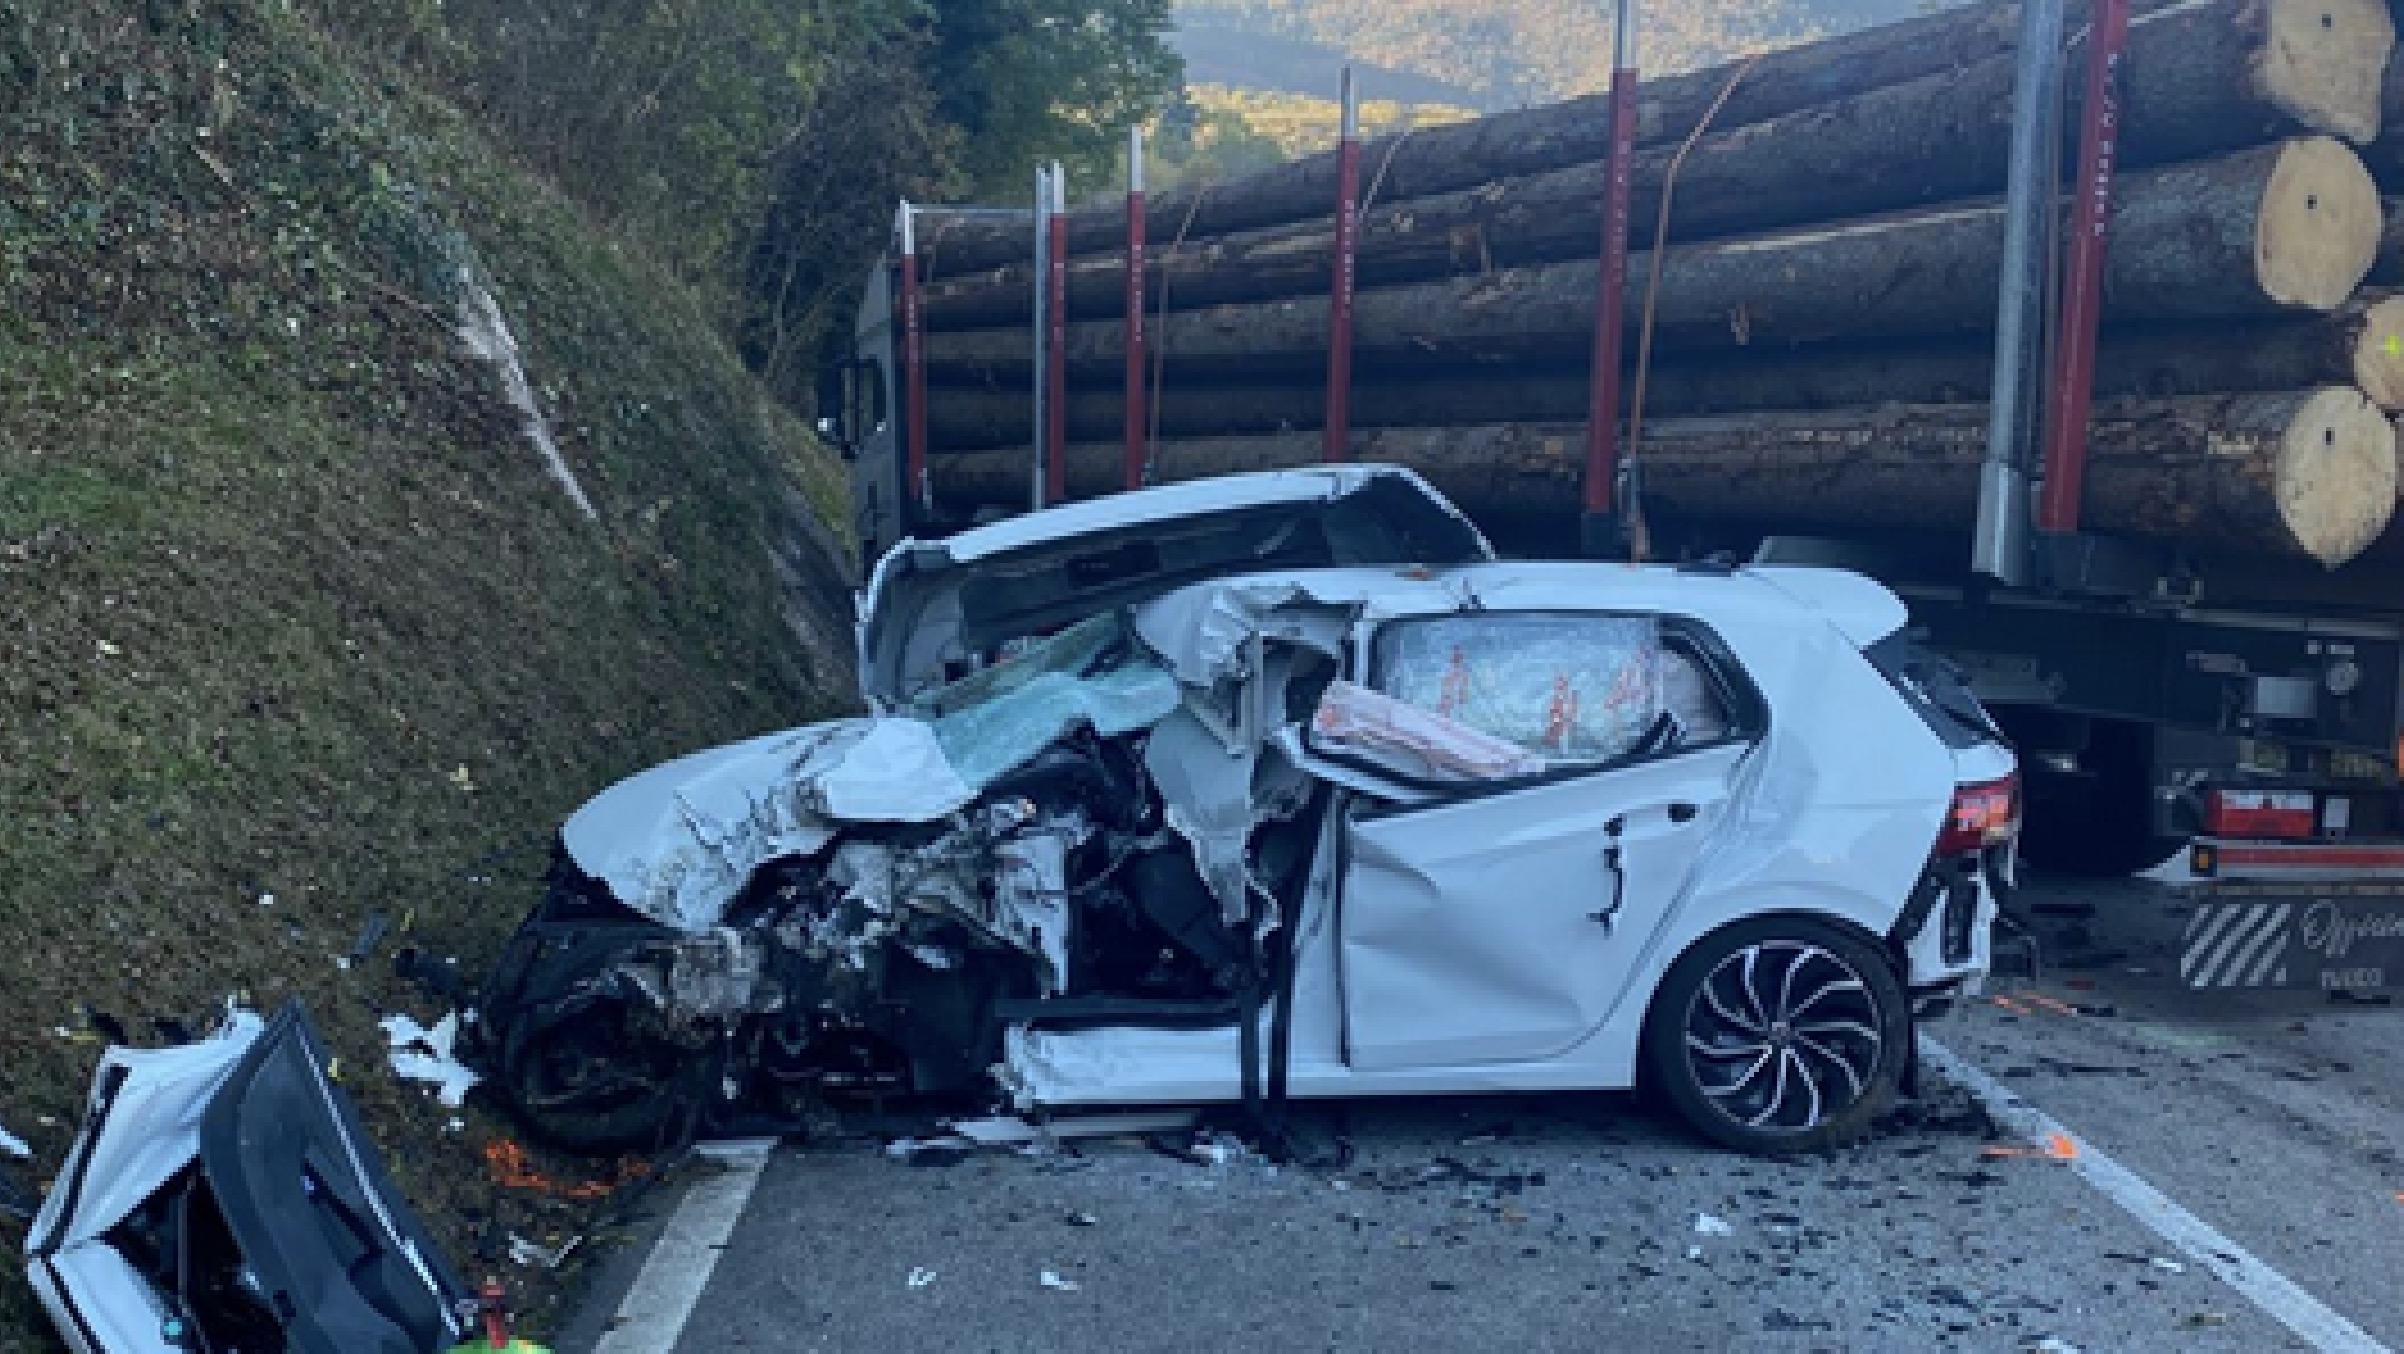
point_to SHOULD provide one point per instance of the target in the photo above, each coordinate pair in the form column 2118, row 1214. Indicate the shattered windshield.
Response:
column 1094, row 673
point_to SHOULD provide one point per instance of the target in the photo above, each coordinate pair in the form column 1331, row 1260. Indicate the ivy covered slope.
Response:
column 295, row 625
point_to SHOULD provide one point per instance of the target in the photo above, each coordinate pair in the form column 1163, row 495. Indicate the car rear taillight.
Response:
column 1983, row 815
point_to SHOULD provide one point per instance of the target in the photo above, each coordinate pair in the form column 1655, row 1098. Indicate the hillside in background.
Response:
column 1490, row 54
column 301, row 623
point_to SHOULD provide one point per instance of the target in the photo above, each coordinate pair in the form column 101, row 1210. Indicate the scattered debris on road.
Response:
column 921, row 1277
column 2058, row 1147
column 1051, row 1279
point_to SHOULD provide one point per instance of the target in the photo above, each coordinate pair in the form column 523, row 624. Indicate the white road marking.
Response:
column 2313, row 1321
column 662, row 1298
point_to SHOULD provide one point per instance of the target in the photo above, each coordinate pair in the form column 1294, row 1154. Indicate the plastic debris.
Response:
column 921, row 1276
column 902, row 1149
column 491, row 1310
column 2054, row 1344
column 1051, row 1279
column 1211, row 1148
column 421, row 1054
column 1003, row 1130
column 2167, row 1266
column 371, row 934
column 1706, row 1224
column 2057, row 1147
column 524, row 1252
column 1079, row 1218
column 12, row 1145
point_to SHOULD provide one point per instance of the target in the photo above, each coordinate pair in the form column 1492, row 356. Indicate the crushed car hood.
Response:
column 930, row 604
column 677, row 843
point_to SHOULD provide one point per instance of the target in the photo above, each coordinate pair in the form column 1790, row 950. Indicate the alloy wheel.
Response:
column 1783, row 1035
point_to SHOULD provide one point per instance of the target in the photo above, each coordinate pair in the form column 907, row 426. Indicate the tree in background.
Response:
column 1192, row 143
column 1521, row 51
column 874, row 140
column 1031, row 80
column 758, row 146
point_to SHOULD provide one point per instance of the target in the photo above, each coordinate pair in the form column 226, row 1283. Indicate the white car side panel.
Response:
column 1834, row 817
column 1492, row 929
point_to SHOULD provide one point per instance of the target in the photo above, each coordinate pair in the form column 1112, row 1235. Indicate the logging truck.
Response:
column 2072, row 328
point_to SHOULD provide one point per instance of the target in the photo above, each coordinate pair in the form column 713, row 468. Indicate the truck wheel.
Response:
column 1779, row 1035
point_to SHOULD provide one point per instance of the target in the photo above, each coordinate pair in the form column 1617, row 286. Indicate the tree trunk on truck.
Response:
column 2203, row 79
column 2276, row 229
column 1426, row 161
column 2358, row 344
column 2298, row 473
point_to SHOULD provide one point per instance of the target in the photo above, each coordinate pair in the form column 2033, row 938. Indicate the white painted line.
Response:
column 656, row 1307
column 2313, row 1322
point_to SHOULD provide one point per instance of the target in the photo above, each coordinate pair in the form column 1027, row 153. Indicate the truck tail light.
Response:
column 1983, row 815
column 2277, row 814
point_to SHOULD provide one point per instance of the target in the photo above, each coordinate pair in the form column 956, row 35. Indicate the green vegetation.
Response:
column 1297, row 124
column 1532, row 51
column 294, row 627
column 1210, row 133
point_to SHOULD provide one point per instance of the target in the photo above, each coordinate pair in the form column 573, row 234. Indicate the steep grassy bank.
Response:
column 294, row 626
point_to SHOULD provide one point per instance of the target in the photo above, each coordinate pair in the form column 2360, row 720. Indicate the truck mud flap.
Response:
column 2295, row 937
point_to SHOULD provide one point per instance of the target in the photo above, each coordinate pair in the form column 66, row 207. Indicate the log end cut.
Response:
column 2324, row 61
column 2336, row 477
column 2379, row 353
column 2317, row 230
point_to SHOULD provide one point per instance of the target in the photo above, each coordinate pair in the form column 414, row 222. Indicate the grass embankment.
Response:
column 293, row 626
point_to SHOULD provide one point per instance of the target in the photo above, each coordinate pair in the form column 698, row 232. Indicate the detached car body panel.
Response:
column 1284, row 782
column 222, row 1195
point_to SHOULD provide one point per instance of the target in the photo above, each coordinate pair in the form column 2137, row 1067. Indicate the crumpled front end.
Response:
column 835, row 907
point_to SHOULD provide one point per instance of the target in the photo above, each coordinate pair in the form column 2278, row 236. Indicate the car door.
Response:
column 1498, row 920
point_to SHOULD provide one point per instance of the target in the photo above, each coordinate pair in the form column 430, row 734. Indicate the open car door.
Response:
column 223, row 1196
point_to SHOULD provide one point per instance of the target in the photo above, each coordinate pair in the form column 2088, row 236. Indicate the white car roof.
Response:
column 1171, row 503
column 1862, row 610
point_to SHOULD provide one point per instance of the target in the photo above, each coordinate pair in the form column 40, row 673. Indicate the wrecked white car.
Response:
column 1283, row 786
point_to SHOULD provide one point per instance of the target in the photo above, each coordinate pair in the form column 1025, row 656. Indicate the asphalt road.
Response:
column 1582, row 1222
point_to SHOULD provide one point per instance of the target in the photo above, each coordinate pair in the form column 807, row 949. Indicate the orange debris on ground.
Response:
column 512, row 1170
column 2057, row 1147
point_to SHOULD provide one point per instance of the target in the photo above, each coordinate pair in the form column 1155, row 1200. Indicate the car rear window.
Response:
column 1934, row 688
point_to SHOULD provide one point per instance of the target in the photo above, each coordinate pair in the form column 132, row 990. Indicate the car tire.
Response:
column 1779, row 1035
column 584, row 1081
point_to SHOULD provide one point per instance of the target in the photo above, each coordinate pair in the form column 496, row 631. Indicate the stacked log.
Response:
column 1826, row 290
column 2309, row 473
column 2358, row 345
column 2201, row 82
